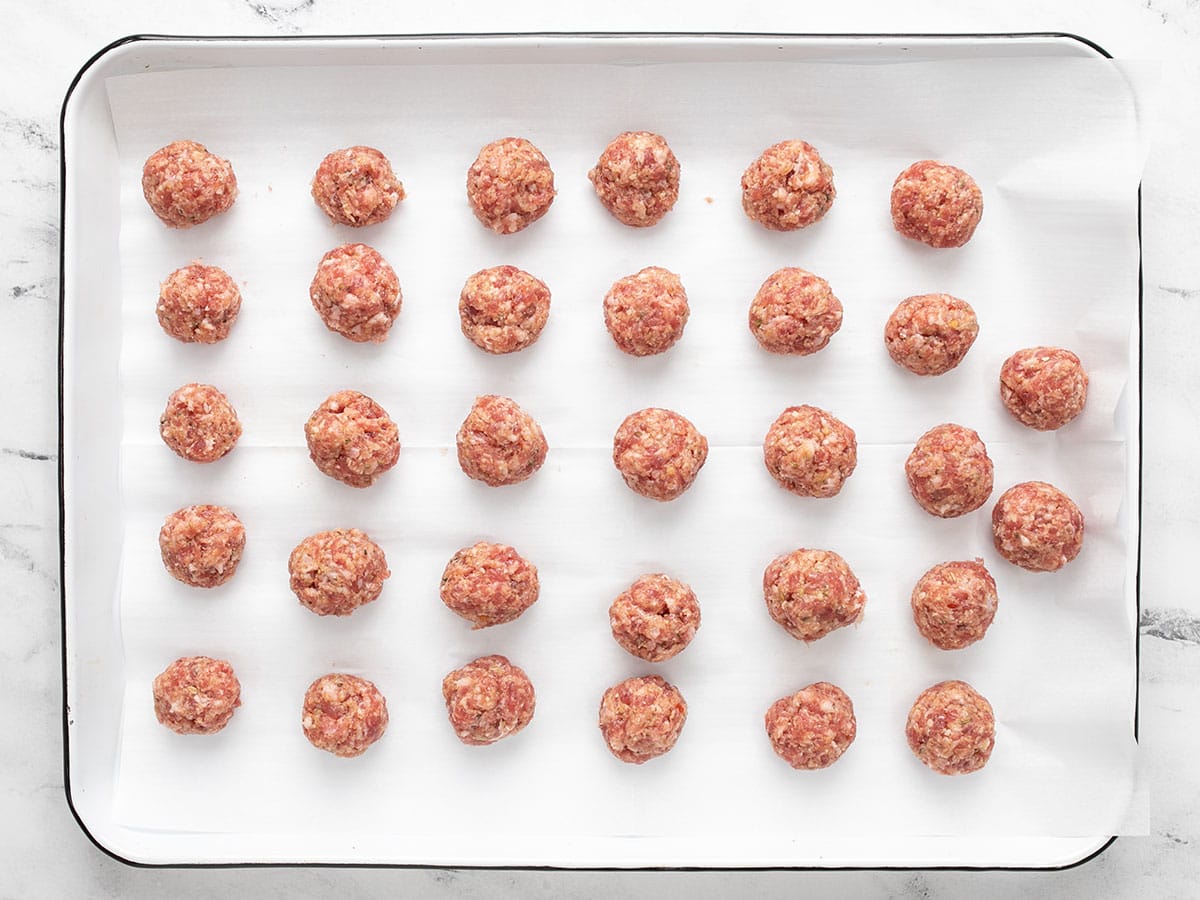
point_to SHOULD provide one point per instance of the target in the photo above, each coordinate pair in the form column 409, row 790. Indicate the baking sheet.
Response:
column 1057, row 147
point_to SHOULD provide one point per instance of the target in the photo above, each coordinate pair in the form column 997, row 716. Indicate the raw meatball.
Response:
column 356, row 186
column 951, row 728
column 196, row 695
column 641, row 718
column 202, row 545
column 794, row 312
column 788, row 187
column 936, row 204
column 503, row 309
column 813, row 727
column 343, row 714
column 811, row 593
column 333, row 573
column 637, row 178
column 1044, row 387
column 488, row 699
column 659, row 453
column 655, row 618
column 954, row 603
column 499, row 443
column 186, row 185
column 356, row 293
column 1037, row 527
column 198, row 304
column 489, row 584
column 931, row 333
column 199, row 423
column 810, row 452
column 949, row 471
column 510, row 185
column 645, row 313
column 352, row 438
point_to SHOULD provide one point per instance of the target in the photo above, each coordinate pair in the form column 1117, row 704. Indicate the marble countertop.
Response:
column 45, row 852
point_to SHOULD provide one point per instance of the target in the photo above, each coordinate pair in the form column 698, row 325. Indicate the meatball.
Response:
column 788, row 187
column 813, row 727
column 202, row 545
column 659, row 453
column 949, row 471
column 343, row 714
column 810, row 452
column 488, row 699
column 936, row 204
column 645, row 313
column 351, row 438
column 794, row 312
column 811, row 593
column 198, row 304
column 356, row 186
column 489, row 584
column 641, row 718
column 199, row 423
column 186, row 185
column 951, row 728
column 333, row 573
column 954, row 603
column 503, row 309
column 196, row 695
column 1043, row 387
column 1037, row 527
column 637, row 178
column 499, row 443
column 510, row 185
column 356, row 293
column 931, row 333
column 655, row 618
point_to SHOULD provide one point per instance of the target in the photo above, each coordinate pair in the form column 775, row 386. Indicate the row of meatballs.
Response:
column 510, row 185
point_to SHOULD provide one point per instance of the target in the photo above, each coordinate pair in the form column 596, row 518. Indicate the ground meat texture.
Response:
column 198, row 304
column 637, row 178
column 813, row 727
column 333, row 573
column 659, row 453
column 199, row 423
column 489, row 584
column 510, row 185
column 931, row 333
column 202, row 545
column 951, row 728
column 936, row 204
column 788, row 187
column 503, row 309
column 641, row 718
column 1043, row 387
column 810, row 452
column 343, row 714
column 488, row 699
column 794, row 312
column 499, row 443
column 356, row 186
column 185, row 184
column 1037, row 527
column 655, row 618
column 196, row 695
column 646, row 312
column 811, row 593
column 954, row 603
column 356, row 293
column 352, row 438
column 949, row 472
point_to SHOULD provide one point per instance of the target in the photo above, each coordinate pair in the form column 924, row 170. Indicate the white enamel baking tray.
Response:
column 95, row 508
